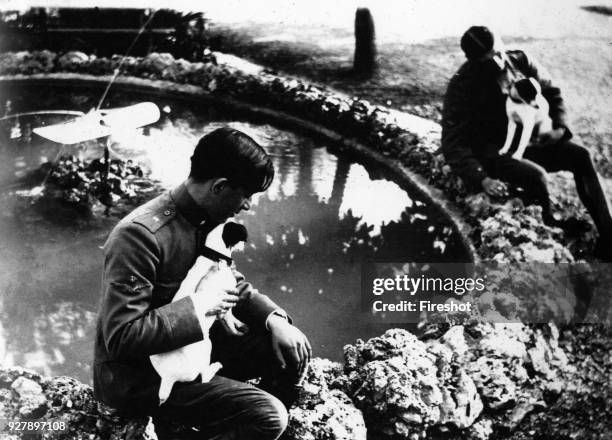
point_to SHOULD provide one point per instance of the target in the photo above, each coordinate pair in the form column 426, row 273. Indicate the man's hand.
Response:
column 214, row 302
column 289, row 344
column 232, row 325
column 494, row 187
column 551, row 137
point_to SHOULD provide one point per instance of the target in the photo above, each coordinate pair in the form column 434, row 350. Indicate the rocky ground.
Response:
column 474, row 382
column 25, row 395
column 583, row 411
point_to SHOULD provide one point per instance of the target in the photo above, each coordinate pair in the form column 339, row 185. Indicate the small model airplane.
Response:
column 93, row 125
column 100, row 123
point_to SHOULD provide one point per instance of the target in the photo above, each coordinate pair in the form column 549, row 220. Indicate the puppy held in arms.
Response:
column 525, row 105
column 211, row 271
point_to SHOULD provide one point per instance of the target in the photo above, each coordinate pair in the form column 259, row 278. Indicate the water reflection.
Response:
column 56, row 341
column 309, row 233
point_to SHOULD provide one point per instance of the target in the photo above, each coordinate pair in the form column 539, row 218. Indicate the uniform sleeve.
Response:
column 456, row 128
column 253, row 308
column 551, row 92
column 130, row 327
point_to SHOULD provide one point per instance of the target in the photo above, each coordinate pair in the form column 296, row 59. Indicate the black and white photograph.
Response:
column 306, row 220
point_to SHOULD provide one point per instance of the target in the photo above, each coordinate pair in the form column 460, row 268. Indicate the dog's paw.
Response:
column 210, row 371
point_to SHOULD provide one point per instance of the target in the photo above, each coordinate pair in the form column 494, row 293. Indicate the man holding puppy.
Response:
column 474, row 126
column 146, row 257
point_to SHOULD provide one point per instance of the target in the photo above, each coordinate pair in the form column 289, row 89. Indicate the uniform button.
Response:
column 167, row 212
column 133, row 279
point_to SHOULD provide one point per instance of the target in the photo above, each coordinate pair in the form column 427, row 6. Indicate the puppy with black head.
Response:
column 210, row 272
column 526, row 106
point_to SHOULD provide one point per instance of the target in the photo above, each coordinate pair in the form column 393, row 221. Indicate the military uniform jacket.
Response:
column 146, row 257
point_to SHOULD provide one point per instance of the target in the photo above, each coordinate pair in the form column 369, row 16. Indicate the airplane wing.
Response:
column 101, row 123
column 72, row 132
column 133, row 116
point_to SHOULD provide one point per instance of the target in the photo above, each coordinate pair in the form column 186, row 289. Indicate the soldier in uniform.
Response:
column 146, row 257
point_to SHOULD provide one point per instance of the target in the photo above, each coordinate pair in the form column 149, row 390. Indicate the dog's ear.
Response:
column 233, row 233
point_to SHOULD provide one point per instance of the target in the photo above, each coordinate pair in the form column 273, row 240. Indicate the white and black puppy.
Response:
column 525, row 105
column 211, row 271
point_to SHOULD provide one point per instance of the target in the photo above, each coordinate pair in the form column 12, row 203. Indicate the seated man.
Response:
column 474, row 126
column 146, row 257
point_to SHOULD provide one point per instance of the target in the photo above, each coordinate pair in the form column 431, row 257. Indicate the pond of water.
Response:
column 309, row 233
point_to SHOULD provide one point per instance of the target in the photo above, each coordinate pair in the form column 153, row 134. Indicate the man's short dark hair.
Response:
column 229, row 153
column 477, row 41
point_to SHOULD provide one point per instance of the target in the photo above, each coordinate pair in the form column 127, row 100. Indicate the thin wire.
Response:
column 44, row 112
column 118, row 68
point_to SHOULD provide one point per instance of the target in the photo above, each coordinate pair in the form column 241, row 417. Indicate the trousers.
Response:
column 227, row 407
column 527, row 178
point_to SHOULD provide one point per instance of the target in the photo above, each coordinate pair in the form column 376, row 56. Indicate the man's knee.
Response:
column 567, row 156
column 581, row 159
column 271, row 419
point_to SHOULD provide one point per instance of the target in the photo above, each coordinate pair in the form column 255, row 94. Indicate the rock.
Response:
column 546, row 356
column 46, row 60
column 395, row 342
column 154, row 65
column 398, row 400
column 492, row 377
column 322, row 412
column 334, row 417
column 514, row 366
column 27, row 395
column 481, row 430
column 519, row 412
column 405, row 386
column 72, row 61
column 32, row 401
column 454, row 338
column 504, row 341
column 409, row 388
column 17, row 62
column 461, row 404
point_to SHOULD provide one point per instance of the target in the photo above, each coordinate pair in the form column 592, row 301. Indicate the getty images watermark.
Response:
column 413, row 286
column 397, row 293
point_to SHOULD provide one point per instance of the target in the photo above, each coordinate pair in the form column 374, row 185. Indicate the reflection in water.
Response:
column 376, row 202
column 309, row 233
column 59, row 340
